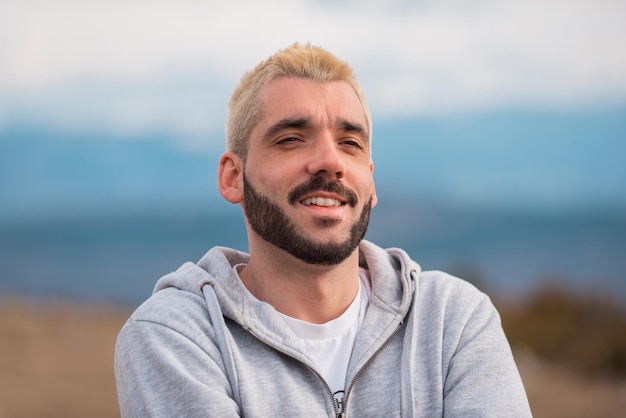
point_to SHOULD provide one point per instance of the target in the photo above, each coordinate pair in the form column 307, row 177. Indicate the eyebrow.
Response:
column 347, row 126
column 285, row 124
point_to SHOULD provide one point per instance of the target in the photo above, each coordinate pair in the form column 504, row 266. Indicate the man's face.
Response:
column 308, row 186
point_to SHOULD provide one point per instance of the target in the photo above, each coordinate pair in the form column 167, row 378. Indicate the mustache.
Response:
column 320, row 184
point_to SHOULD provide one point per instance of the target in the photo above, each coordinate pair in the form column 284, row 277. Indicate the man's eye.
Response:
column 288, row 140
column 351, row 143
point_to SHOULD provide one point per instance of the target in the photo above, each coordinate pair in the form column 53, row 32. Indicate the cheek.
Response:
column 268, row 182
column 279, row 173
column 365, row 179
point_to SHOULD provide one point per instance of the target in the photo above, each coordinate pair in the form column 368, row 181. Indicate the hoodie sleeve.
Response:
column 482, row 378
column 162, row 370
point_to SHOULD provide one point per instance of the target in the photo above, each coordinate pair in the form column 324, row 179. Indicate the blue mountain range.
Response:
column 509, row 200
column 510, row 160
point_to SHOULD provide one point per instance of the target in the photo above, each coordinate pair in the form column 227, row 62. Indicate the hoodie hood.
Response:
column 215, row 279
column 190, row 277
column 215, row 268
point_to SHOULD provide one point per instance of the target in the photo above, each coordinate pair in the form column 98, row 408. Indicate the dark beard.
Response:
column 270, row 222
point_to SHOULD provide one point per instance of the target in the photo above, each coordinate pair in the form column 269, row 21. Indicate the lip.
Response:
column 326, row 196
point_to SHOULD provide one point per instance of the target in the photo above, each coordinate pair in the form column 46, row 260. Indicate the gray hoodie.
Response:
column 430, row 345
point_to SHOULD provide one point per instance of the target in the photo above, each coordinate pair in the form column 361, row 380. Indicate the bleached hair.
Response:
column 245, row 109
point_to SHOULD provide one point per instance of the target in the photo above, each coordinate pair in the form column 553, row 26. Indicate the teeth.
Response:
column 321, row 201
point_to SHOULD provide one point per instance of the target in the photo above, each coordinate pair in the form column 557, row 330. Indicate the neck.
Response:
column 311, row 293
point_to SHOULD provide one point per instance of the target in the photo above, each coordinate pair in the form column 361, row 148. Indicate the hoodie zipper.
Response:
column 330, row 391
column 308, row 366
column 365, row 366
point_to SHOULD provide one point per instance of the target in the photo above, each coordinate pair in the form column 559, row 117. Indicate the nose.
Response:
column 326, row 159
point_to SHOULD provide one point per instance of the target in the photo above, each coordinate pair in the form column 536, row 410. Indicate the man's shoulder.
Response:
column 441, row 291
column 170, row 306
column 449, row 305
column 442, row 282
column 179, row 298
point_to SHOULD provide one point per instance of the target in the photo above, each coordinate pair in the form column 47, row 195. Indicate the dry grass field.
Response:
column 56, row 361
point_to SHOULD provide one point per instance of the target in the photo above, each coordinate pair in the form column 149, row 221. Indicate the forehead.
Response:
column 318, row 101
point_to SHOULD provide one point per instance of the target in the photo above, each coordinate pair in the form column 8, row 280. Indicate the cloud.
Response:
column 167, row 66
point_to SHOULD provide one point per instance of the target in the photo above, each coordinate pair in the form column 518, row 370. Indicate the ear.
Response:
column 230, row 177
column 374, row 197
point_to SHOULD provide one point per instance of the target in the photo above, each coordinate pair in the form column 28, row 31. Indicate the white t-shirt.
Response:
column 329, row 345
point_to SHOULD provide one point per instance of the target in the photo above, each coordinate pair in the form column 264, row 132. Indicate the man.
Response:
column 314, row 321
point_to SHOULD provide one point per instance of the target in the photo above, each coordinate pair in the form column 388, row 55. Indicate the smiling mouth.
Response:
column 322, row 201
column 323, row 193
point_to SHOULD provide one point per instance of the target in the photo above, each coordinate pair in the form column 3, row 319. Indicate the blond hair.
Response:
column 308, row 62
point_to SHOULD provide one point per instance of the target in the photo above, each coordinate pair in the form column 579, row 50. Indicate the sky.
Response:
column 137, row 67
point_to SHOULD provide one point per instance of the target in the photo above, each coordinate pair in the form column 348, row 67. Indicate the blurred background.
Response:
column 499, row 152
